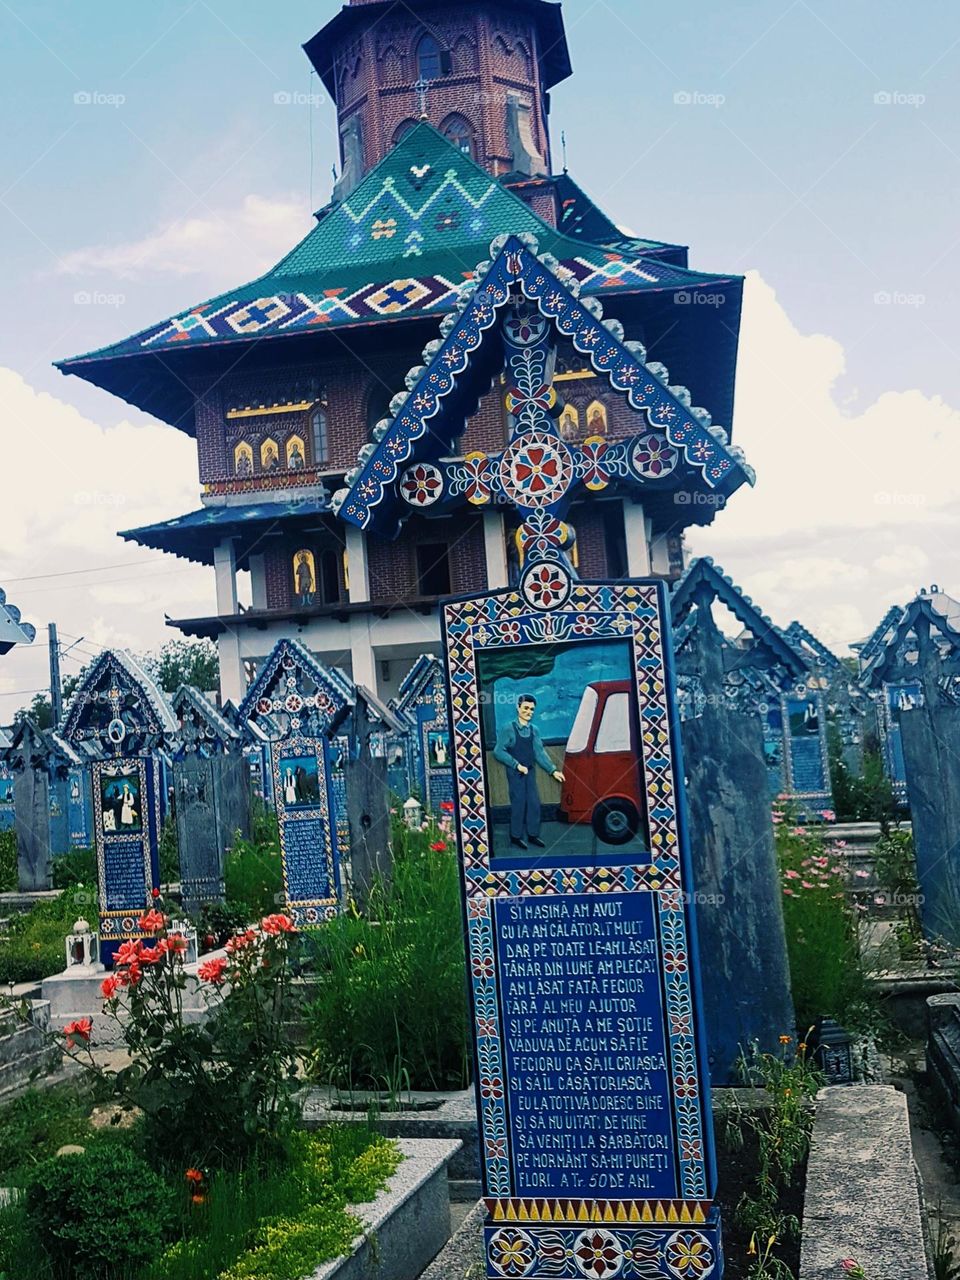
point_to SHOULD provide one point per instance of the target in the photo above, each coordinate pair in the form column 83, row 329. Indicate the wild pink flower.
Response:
column 789, row 893
column 805, row 884
column 791, row 874
column 861, row 874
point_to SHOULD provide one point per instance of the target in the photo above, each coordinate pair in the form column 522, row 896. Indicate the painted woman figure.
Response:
column 289, row 787
column 128, row 814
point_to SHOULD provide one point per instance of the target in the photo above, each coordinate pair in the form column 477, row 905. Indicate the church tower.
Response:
column 481, row 73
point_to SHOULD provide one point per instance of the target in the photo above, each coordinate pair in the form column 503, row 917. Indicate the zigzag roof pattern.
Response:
column 12, row 630
column 401, row 245
column 703, row 572
column 290, row 654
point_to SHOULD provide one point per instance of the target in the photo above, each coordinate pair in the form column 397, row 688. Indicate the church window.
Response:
column 433, row 569
column 432, row 61
column 321, row 443
column 460, row 132
column 596, row 418
column 402, row 129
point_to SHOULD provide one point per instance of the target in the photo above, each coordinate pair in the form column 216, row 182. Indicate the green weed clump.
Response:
column 32, row 948
column 825, row 969
column 253, row 873
column 391, row 1010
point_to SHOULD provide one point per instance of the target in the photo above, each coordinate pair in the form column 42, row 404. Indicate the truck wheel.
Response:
column 615, row 821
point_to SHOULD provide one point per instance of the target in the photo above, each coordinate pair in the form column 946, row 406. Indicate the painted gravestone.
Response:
column 41, row 767
column 118, row 715
column 300, row 703
column 591, row 1067
column 422, row 703
column 7, row 811
column 211, row 787
column 591, row 1072
column 363, row 762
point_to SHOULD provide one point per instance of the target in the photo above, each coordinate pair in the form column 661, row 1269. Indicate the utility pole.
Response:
column 56, row 694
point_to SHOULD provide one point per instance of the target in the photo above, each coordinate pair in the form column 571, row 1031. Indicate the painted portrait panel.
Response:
column 561, row 745
column 121, row 801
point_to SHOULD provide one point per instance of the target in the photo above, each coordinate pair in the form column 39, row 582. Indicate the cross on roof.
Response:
column 422, row 89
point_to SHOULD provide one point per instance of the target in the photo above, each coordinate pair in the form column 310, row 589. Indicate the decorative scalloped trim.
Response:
column 483, row 299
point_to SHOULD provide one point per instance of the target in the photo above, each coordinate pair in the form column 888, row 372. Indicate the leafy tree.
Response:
column 180, row 662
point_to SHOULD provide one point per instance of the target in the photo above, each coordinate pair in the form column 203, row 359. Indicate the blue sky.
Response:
column 751, row 131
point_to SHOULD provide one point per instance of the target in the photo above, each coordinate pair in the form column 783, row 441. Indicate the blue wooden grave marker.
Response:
column 299, row 703
column 119, row 716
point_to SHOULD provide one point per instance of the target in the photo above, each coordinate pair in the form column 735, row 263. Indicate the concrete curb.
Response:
column 862, row 1200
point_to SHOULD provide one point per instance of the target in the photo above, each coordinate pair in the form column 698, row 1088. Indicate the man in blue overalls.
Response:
column 519, row 748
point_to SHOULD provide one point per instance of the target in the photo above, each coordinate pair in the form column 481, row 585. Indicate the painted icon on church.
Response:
column 570, row 423
column 561, row 740
column 6, row 791
column 305, row 577
column 596, row 418
column 299, row 782
column 243, row 459
column 438, row 749
column 120, row 800
column 269, row 455
column 296, row 458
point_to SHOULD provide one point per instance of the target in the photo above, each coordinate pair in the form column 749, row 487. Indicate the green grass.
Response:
column 279, row 1223
column 33, row 947
column 9, row 881
column 254, row 873
column 36, row 1125
column 276, row 1220
column 391, row 1012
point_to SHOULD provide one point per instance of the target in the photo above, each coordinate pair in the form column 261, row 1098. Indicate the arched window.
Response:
column 403, row 129
column 429, row 59
column 321, row 443
column 460, row 132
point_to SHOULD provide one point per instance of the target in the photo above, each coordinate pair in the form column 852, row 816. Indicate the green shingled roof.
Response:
column 401, row 244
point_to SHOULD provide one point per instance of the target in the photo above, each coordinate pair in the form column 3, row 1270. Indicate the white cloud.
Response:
column 257, row 232
column 62, row 514
column 853, row 510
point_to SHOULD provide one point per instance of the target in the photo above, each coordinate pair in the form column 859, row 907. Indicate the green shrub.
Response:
column 253, row 873
column 391, row 1008
column 169, row 851
column 33, row 947
column 106, row 1210
column 35, row 1125
column 78, row 867
column 826, row 976
column 9, row 875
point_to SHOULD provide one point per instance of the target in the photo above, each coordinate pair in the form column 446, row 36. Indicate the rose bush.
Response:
column 212, row 1090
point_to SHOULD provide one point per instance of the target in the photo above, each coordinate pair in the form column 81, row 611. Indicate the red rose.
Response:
column 109, row 987
column 439, row 846
column 276, row 924
column 152, row 922
column 154, row 893
column 213, row 970
column 79, row 1030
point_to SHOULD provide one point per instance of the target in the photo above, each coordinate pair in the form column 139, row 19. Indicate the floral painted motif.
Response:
column 689, row 1255
column 594, row 475
column 421, row 485
column 654, row 457
column 598, row 1254
column 545, row 586
column 536, row 470
column 512, row 1252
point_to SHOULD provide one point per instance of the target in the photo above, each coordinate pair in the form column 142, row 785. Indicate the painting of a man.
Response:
column 520, row 750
